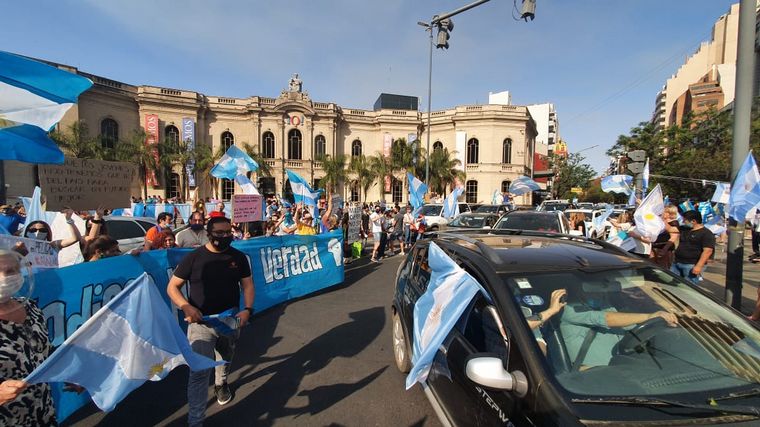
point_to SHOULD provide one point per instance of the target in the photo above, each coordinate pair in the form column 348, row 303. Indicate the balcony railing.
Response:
column 294, row 164
column 270, row 163
column 472, row 167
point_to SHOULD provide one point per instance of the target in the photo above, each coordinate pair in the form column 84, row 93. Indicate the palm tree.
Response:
column 134, row 150
column 205, row 160
column 360, row 165
column 77, row 141
column 264, row 168
column 444, row 170
column 335, row 170
column 381, row 167
column 407, row 158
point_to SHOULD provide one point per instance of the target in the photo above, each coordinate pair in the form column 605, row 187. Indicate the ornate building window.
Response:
column 228, row 185
column 356, row 148
column 173, row 190
column 437, row 146
column 471, row 191
column 505, row 186
column 506, row 154
column 354, row 191
column 171, row 134
column 397, row 190
column 294, row 144
column 267, row 145
column 109, row 133
column 472, row 151
column 228, row 140
column 319, row 146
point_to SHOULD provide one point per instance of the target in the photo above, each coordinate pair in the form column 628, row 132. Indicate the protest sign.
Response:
column 85, row 184
column 41, row 254
column 247, row 208
column 354, row 223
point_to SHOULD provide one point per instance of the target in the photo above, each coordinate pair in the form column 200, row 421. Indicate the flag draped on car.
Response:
column 132, row 339
column 745, row 190
column 617, row 184
column 598, row 222
column 522, row 185
column 448, row 294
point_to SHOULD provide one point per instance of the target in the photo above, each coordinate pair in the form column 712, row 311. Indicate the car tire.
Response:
column 400, row 346
column 434, row 228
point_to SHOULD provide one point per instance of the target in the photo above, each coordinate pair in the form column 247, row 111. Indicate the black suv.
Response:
column 631, row 345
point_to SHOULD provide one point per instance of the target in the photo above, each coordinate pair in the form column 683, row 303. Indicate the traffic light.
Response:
column 528, row 10
column 635, row 161
column 444, row 27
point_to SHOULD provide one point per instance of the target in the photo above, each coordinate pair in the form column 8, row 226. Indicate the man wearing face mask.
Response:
column 194, row 235
column 696, row 245
column 151, row 237
column 216, row 274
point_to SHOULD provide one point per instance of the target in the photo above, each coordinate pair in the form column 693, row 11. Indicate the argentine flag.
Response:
column 246, row 185
column 132, row 339
column 497, row 198
column 598, row 222
column 523, row 185
column 648, row 216
column 617, row 184
column 722, row 192
column 302, row 191
column 450, row 206
column 417, row 190
column 233, row 163
column 436, row 312
column 745, row 190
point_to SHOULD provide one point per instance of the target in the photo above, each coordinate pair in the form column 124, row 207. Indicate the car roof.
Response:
column 513, row 251
column 537, row 213
column 479, row 214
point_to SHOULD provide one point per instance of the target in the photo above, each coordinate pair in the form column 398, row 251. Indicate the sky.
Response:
column 601, row 62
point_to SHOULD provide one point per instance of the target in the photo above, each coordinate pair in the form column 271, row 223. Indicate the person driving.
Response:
column 591, row 326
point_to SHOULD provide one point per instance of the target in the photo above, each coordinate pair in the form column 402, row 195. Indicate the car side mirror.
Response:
column 489, row 372
column 576, row 233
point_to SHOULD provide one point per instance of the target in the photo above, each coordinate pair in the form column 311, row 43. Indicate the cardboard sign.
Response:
column 354, row 223
column 41, row 254
column 86, row 184
column 247, row 208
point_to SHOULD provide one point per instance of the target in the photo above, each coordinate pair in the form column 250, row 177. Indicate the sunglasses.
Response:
column 221, row 233
column 36, row 229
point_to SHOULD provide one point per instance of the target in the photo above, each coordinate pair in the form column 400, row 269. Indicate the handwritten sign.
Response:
column 354, row 223
column 247, row 208
column 86, row 184
column 41, row 254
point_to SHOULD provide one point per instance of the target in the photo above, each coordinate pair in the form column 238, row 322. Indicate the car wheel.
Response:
column 434, row 228
column 400, row 348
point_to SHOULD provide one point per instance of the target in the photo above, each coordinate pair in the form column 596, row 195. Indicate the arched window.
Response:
column 356, row 148
column 228, row 185
column 267, row 145
column 397, row 190
column 319, row 146
column 471, row 191
column 109, row 133
column 173, row 190
column 294, row 144
column 228, row 140
column 505, row 186
column 472, row 151
column 437, row 146
column 287, row 192
column 506, row 152
column 354, row 191
column 171, row 134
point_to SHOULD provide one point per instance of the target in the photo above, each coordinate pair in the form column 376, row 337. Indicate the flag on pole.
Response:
column 648, row 216
column 132, row 339
column 246, row 185
column 617, row 184
column 302, row 191
column 745, row 190
column 687, row 206
column 632, row 199
column 497, row 198
column 722, row 192
column 598, row 222
column 448, row 294
column 450, row 206
column 234, row 162
column 523, row 185
column 645, row 178
column 417, row 190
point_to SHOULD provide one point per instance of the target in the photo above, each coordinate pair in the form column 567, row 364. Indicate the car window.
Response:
column 530, row 222
column 481, row 330
column 146, row 225
column 420, row 269
column 431, row 210
column 120, row 230
column 463, row 207
column 467, row 221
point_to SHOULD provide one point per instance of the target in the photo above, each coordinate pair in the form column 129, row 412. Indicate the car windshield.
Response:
column 551, row 207
column 487, row 209
column 529, row 222
column 431, row 210
column 468, row 221
column 639, row 332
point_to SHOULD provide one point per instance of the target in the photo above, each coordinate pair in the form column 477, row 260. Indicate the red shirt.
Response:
column 216, row 214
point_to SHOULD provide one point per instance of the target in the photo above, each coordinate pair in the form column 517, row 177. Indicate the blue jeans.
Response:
column 208, row 342
column 684, row 270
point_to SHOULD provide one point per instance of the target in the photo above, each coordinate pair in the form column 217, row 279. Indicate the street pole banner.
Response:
column 188, row 135
column 41, row 253
column 151, row 140
column 283, row 268
column 354, row 223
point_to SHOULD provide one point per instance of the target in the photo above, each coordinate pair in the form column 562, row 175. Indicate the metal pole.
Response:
column 430, row 94
column 439, row 18
column 745, row 66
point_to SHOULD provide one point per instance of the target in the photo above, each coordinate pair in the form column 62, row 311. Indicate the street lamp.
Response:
column 445, row 25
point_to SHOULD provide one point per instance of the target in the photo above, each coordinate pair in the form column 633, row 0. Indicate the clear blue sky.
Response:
column 601, row 62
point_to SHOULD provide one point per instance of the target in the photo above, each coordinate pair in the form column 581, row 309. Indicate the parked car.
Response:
column 554, row 205
column 129, row 231
column 492, row 369
column 472, row 220
column 552, row 222
column 495, row 209
column 585, row 205
column 433, row 215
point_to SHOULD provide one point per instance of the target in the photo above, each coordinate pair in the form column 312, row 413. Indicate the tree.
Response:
column 205, row 160
column 571, row 172
column 264, row 168
column 381, row 167
column 360, row 165
column 335, row 171
column 444, row 170
column 77, row 141
column 134, row 150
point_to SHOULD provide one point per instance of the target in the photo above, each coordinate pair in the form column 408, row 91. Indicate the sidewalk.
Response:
column 715, row 277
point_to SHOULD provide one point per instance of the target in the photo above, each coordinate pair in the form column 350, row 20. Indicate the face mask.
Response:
column 9, row 285
column 38, row 235
column 196, row 227
column 688, row 225
column 221, row 243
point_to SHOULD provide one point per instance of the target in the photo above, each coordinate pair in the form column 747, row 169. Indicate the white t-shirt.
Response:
column 377, row 222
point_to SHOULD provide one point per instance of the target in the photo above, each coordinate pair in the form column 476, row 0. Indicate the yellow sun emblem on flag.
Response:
column 649, row 216
column 158, row 368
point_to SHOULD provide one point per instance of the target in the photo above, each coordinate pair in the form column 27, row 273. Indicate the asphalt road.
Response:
column 323, row 360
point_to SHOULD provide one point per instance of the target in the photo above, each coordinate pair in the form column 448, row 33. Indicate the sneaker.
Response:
column 223, row 394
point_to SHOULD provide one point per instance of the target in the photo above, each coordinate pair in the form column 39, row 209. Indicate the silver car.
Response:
column 129, row 231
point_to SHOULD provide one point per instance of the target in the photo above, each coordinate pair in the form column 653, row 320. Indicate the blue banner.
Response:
column 188, row 135
column 283, row 267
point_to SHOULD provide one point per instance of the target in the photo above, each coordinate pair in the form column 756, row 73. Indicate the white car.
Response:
column 433, row 215
column 129, row 231
column 550, row 222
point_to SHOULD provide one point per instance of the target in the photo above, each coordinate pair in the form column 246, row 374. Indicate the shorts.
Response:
column 399, row 235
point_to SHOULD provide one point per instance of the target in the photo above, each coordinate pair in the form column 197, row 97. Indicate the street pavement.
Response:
column 715, row 277
column 323, row 360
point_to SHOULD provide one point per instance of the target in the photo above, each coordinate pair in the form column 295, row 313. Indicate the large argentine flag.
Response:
column 302, row 191
column 745, row 190
column 648, row 215
column 417, row 190
column 449, row 293
column 617, row 184
column 450, row 206
column 523, row 185
column 134, row 338
column 234, row 162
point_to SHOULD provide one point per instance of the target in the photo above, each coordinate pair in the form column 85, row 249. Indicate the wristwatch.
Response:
column 250, row 310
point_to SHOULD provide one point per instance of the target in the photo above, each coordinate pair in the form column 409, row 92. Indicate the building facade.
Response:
column 495, row 143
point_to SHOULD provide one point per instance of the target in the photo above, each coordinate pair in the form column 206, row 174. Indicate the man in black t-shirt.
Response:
column 695, row 247
column 216, row 273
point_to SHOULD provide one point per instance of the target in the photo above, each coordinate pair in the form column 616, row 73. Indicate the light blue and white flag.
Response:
column 645, row 178
column 417, row 190
column 436, row 312
column 648, row 216
column 722, row 192
column 666, row 201
column 617, row 184
column 302, row 191
column 522, row 184
column 183, row 210
column 233, row 163
column 246, row 185
column 450, row 206
column 687, row 206
column 33, row 207
column 598, row 222
column 497, row 198
column 632, row 199
column 745, row 190
column 132, row 339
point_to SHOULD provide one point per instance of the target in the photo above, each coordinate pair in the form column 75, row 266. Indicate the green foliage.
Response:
column 571, row 172
column 335, row 171
column 133, row 150
column 264, row 168
column 361, row 167
column 444, row 171
column 76, row 141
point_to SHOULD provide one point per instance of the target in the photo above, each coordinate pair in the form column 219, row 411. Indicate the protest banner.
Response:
column 86, row 184
column 41, row 253
column 283, row 268
column 354, row 223
column 247, row 208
